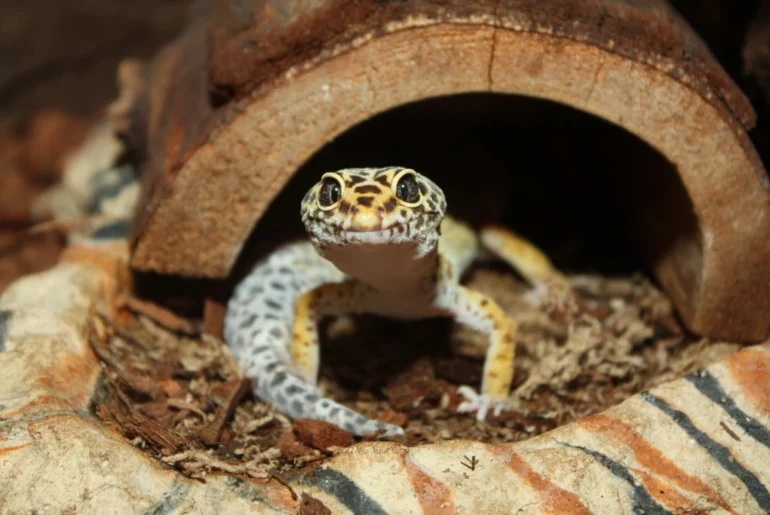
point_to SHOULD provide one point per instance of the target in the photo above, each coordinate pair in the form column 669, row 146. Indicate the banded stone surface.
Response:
column 698, row 443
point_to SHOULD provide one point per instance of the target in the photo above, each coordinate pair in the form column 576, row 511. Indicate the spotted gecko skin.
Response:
column 379, row 243
column 259, row 330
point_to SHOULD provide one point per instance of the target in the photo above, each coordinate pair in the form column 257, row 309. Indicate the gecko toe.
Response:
column 480, row 403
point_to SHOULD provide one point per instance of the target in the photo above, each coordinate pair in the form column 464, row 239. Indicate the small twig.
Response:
column 278, row 478
column 159, row 314
column 255, row 424
column 208, row 461
column 250, row 468
column 64, row 226
column 213, row 431
column 176, row 458
column 20, row 237
column 308, row 458
column 180, row 404
column 729, row 431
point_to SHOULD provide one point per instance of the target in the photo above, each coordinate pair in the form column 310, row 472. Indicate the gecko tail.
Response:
column 292, row 396
column 258, row 328
column 277, row 383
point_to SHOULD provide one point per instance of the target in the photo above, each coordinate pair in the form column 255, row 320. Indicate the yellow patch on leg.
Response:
column 304, row 344
column 501, row 353
column 326, row 299
column 499, row 363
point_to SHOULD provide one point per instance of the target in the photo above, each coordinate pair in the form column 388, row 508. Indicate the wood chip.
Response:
column 212, row 432
column 180, row 404
column 311, row 506
column 141, row 387
column 133, row 422
column 321, row 435
column 161, row 315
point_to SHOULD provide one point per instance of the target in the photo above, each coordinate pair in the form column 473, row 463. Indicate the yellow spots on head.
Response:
column 373, row 206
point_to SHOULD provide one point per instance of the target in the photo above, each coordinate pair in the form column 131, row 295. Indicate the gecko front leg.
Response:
column 331, row 299
column 481, row 313
column 295, row 391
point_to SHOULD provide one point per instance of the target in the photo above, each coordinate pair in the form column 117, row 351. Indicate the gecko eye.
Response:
column 407, row 189
column 331, row 191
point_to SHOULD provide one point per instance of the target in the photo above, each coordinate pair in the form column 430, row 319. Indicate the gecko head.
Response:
column 367, row 208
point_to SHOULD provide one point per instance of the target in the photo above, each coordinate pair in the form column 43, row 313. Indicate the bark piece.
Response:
column 321, row 435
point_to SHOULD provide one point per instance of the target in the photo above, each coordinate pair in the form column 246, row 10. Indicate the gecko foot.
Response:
column 481, row 403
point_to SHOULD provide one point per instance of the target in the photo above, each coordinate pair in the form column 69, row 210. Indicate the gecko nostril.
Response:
column 380, row 212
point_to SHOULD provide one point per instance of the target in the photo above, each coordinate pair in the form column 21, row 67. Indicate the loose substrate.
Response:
column 108, row 400
column 178, row 394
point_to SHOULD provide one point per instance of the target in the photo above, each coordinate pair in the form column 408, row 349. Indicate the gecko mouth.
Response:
column 372, row 236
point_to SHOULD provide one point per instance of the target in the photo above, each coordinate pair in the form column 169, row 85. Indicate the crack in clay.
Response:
column 490, row 65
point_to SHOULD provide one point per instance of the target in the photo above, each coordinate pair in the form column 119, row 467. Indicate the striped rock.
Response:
column 60, row 456
column 696, row 445
column 700, row 444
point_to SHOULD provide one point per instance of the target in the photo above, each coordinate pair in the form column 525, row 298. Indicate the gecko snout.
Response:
column 367, row 219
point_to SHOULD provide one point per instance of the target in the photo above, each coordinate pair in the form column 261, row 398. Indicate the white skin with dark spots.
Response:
column 381, row 237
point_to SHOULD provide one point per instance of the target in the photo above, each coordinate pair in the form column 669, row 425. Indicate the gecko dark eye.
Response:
column 331, row 192
column 407, row 189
